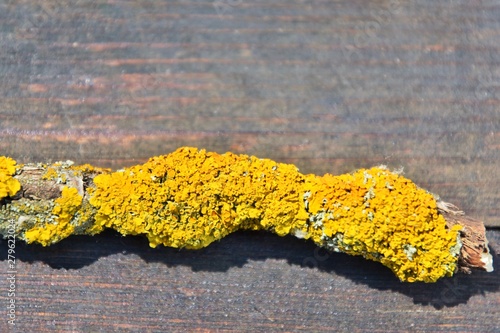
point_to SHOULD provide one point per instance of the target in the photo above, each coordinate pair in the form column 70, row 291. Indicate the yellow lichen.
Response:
column 191, row 197
column 64, row 210
column 9, row 186
column 384, row 217
column 50, row 174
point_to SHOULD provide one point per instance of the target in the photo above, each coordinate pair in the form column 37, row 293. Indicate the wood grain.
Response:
column 246, row 282
column 330, row 86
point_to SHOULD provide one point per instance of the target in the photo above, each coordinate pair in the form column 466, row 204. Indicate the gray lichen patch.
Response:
column 25, row 214
column 410, row 251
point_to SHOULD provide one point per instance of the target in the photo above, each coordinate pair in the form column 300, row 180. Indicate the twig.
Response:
column 191, row 198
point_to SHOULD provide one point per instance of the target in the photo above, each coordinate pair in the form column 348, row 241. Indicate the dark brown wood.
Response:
column 331, row 86
column 247, row 281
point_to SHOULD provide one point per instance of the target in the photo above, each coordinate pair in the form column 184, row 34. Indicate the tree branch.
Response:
column 59, row 200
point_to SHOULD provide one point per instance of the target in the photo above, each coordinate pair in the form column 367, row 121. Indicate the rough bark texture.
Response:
column 474, row 252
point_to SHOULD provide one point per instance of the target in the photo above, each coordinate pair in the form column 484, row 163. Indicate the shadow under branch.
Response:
column 239, row 248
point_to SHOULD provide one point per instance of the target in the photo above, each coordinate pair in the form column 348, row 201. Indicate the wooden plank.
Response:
column 246, row 282
column 330, row 86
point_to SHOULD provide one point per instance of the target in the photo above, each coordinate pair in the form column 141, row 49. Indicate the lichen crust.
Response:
column 191, row 198
column 9, row 186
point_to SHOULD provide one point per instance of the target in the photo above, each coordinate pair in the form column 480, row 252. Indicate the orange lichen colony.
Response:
column 191, row 197
column 8, row 184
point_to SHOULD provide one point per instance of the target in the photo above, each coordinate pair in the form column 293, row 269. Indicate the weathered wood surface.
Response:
column 247, row 282
column 328, row 85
